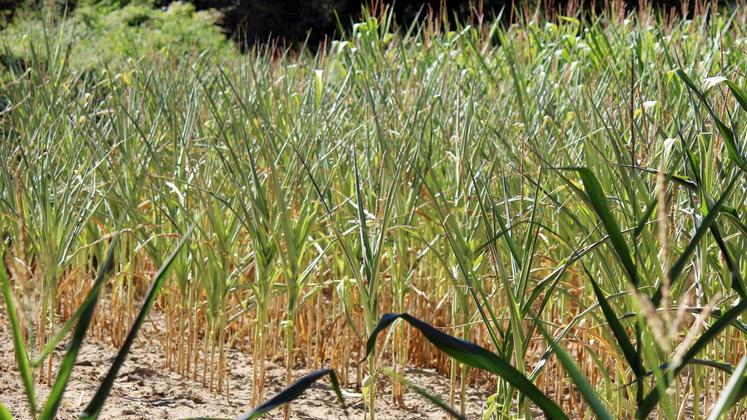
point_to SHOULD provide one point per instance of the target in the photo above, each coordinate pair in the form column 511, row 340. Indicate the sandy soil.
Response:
column 146, row 390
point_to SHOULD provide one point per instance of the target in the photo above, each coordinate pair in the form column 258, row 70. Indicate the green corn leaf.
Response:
column 650, row 207
column 66, row 367
column 677, row 179
column 93, row 409
column 5, row 413
column 731, row 393
column 738, row 93
column 86, row 316
column 737, row 284
column 542, row 362
column 504, row 232
column 22, row 358
column 347, row 249
column 652, row 399
column 631, row 356
column 473, row 355
column 705, row 225
column 726, row 133
column 722, row 366
column 708, row 203
column 362, row 227
column 463, row 253
column 598, row 202
column 732, row 214
column 295, row 390
column 586, row 389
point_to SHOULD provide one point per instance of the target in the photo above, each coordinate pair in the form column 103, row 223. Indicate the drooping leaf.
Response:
column 473, row 355
column 295, row 390
column 738, row 93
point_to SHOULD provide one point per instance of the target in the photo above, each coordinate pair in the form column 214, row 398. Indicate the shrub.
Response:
column 102, row 33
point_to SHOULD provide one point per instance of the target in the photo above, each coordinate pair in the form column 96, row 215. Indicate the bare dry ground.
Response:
column 146, row 390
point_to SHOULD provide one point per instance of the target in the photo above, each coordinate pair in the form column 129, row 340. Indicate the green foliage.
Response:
column 100, row 34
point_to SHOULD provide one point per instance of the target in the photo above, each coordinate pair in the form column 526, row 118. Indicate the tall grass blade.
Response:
column 91, row 298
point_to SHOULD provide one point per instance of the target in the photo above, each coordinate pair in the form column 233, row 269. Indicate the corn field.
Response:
column 553, row 211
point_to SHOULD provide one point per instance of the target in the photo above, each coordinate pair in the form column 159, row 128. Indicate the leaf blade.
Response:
column 578, row 378
column 473, row 355
column 97, row 402
column 598, row 202
column 293, row 391
column 68, row 362
column 731, row 392
column 19, row 347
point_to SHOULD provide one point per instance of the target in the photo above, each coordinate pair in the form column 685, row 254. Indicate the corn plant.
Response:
column 552, row 209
